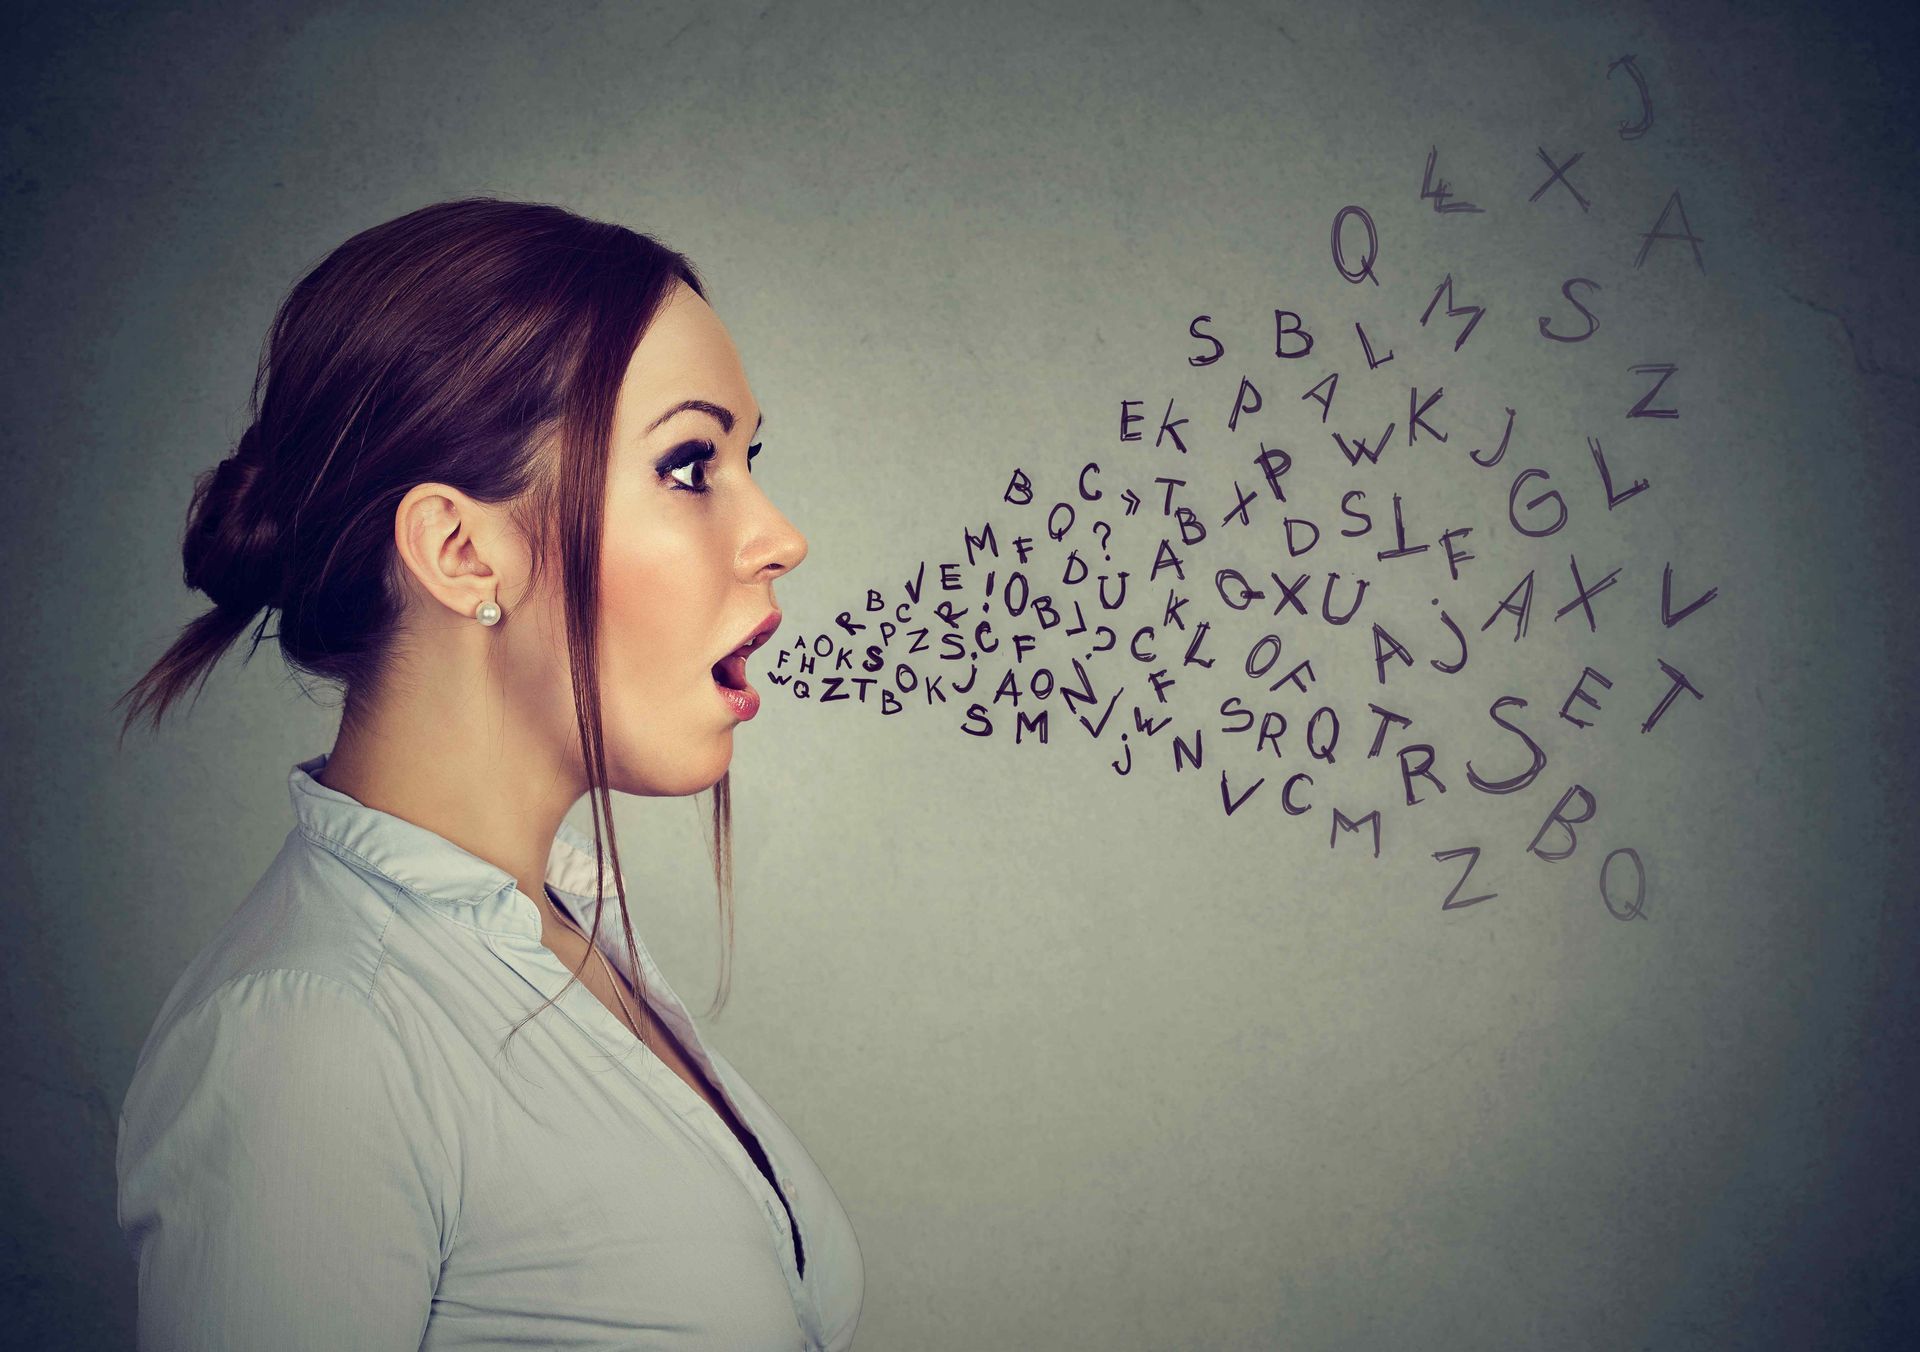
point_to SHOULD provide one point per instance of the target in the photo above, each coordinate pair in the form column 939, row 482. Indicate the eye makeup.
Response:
column 694, row 455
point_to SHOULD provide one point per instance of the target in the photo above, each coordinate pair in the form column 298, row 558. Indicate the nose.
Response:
column 774, row 545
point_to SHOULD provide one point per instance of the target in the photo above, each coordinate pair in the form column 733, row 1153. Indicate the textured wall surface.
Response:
column 1093, row 1061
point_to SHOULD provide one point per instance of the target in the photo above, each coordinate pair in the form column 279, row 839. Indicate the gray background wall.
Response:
column 1092, row 1063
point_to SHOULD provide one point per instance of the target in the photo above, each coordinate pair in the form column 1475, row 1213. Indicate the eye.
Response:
column 694, row 455
column 690, row 455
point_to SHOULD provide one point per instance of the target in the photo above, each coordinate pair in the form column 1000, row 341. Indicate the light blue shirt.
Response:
column 323, row 1148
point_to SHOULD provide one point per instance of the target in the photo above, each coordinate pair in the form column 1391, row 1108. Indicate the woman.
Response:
column 498, row 490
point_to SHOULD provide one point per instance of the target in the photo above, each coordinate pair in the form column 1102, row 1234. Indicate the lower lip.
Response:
column 744, row 703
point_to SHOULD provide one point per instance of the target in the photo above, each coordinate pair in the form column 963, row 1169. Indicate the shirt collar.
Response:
column 430, row 866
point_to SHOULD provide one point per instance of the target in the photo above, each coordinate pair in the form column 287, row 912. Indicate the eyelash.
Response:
column 695, row 453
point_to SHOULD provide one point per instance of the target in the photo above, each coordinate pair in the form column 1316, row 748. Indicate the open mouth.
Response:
column 730, row 672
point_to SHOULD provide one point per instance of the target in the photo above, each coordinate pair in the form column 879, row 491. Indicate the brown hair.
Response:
column 479, row 343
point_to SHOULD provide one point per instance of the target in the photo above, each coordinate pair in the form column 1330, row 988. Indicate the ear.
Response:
column 458, row 551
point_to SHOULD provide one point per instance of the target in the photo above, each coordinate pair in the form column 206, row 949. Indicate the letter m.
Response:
column 1340, row 823
column 1453, row 312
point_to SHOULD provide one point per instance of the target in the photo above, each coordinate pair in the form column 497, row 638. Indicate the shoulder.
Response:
column 311, row 932
column 288, row 1056
column 300, row 915
column 259, row 1028
column 300, row 996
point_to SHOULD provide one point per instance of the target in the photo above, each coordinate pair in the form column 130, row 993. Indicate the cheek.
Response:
column 659, row 614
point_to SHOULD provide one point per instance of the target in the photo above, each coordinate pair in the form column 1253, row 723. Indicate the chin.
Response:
column 688, row 775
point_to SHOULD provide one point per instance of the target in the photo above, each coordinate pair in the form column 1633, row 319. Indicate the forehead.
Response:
column 686, row 353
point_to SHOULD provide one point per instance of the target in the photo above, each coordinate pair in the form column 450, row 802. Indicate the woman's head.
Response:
column 466, row 404
column 689, row 550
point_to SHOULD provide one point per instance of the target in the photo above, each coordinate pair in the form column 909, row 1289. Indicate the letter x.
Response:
column 1557, row 176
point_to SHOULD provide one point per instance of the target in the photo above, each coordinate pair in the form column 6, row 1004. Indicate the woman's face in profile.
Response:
column 689, row 554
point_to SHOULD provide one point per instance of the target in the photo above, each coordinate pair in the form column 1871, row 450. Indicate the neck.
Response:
column 498, row 796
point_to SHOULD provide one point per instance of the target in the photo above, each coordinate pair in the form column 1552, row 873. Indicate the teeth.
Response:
column 750, row 644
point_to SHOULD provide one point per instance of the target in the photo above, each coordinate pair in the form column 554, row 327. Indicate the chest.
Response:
column 622, row 1002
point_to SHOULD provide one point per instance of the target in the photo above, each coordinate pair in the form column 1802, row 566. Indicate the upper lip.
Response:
column 760, row 634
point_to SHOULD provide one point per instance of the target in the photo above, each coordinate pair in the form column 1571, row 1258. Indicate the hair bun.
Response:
column 232, row 549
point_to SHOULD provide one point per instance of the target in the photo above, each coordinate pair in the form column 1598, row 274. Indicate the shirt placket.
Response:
column 697, row 1110
column 544, row 972
column 784, row 1234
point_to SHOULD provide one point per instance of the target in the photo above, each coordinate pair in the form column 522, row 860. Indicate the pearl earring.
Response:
column 489, row 613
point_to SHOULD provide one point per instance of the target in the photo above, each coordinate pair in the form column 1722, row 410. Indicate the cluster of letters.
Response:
column 1034, row 630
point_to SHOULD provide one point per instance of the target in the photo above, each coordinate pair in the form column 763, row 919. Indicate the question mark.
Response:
column 1105, row 532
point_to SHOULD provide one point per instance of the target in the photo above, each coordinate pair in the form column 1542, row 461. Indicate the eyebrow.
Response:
column 725, row 415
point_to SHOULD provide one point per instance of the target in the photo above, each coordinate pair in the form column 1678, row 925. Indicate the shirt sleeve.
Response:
column 281, row 1182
